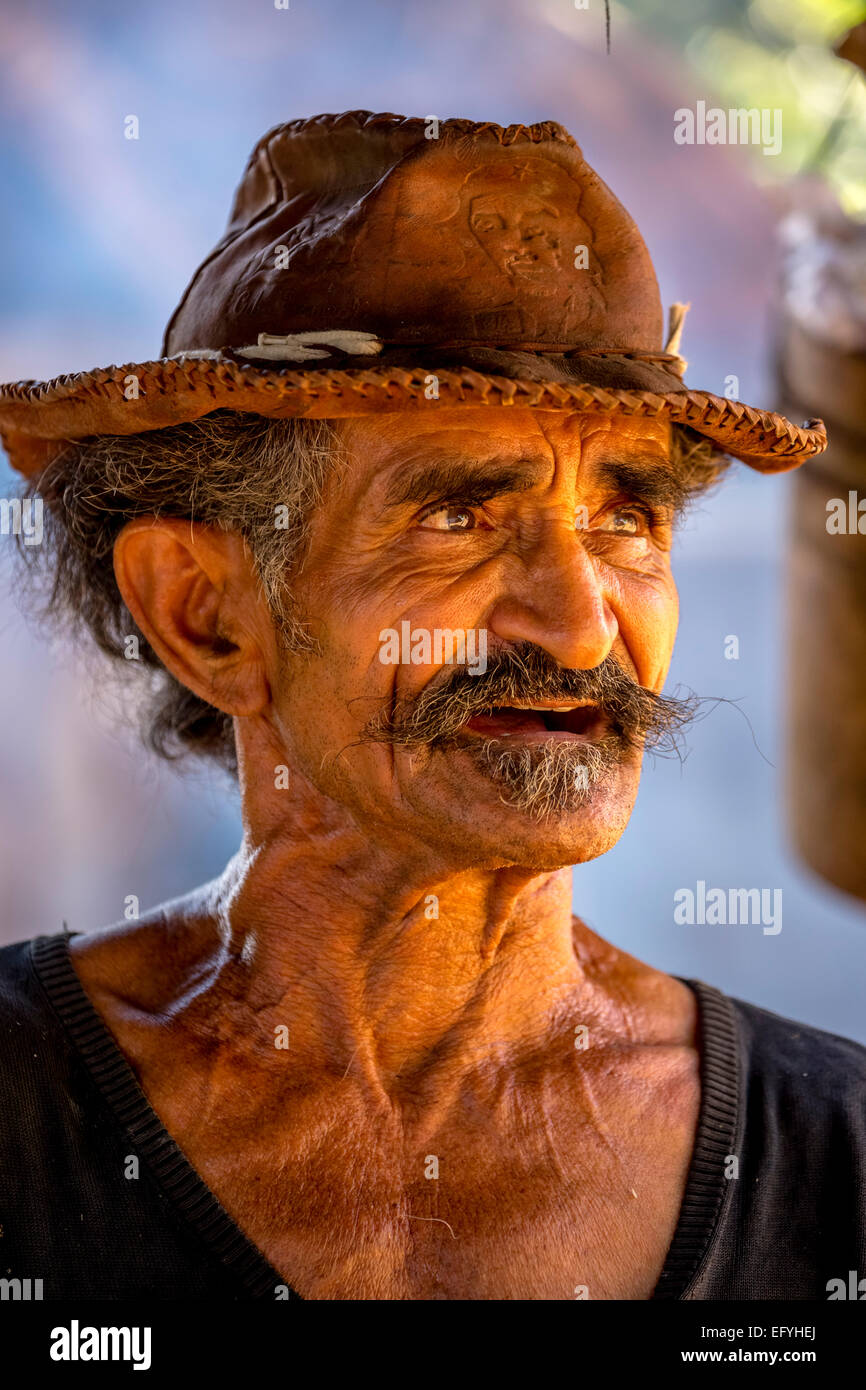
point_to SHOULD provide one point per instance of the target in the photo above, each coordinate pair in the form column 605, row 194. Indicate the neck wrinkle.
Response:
column 380, row 970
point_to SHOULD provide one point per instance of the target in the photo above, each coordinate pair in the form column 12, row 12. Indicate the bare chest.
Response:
column 566, row 1187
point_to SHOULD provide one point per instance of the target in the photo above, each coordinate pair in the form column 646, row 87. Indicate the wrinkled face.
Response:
column 491, row 594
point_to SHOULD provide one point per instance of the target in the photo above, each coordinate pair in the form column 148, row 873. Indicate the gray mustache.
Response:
column 526, row 674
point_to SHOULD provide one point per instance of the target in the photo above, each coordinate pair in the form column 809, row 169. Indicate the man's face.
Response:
column 520, row 233
column 544, row 539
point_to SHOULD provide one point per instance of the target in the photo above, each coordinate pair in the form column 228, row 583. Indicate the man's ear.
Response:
column 192, row 591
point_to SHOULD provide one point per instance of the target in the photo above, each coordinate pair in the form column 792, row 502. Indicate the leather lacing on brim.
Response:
column 175, row 390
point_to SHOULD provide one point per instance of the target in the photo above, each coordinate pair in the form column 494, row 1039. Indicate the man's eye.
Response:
column 448, row 519
column 624, row 521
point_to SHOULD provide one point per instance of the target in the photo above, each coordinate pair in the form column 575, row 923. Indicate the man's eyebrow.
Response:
column 463, row 479
column 652, row 480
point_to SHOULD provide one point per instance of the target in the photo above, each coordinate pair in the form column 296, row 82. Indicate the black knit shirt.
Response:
column 774, row 1206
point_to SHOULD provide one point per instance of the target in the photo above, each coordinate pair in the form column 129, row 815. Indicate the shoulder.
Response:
column 22, row 1002
column 638, row 1001
column 790, row 1050
column 142, row 965
column 36, row 1054
column 804, row 1088
column 795, row 1101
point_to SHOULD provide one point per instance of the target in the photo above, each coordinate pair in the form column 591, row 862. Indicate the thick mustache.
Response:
column 526, row 674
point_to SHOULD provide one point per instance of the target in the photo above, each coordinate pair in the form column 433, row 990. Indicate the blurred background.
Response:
column 100, row 234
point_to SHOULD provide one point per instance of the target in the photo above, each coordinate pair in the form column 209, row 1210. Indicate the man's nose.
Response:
column 557, row 601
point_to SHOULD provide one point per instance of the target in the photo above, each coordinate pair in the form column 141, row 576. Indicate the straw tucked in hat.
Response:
column 378, row 263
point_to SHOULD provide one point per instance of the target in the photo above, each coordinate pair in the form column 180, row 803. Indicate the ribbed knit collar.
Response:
column 182, row 1185
column 718, row 1136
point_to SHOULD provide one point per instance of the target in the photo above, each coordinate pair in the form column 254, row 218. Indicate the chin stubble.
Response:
column 547, row 779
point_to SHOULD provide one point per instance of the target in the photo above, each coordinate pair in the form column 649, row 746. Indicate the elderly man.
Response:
column 389, row 528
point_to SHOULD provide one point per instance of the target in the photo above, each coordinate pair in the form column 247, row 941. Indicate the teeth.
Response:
column 556, row 709
column 549, row 709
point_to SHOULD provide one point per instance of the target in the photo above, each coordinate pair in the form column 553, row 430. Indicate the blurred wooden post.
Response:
column 822, row 371
column 825, row 770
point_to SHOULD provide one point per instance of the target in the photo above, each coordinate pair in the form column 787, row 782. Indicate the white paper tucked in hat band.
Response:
column 676, row 319
column 297, row 347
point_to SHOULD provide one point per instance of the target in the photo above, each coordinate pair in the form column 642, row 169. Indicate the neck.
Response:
column 377, row 960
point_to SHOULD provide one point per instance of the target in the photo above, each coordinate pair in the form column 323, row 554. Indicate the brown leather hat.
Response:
column 378, row 263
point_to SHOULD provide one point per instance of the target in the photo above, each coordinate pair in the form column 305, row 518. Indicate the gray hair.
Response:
column 258, row 476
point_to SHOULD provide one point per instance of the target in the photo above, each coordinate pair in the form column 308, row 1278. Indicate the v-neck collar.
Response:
column 706, row 1187
column 188, row 1193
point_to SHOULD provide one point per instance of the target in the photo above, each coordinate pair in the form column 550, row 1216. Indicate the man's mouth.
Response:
column 576, row 723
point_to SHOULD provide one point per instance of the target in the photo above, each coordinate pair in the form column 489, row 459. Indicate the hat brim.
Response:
column 37, row 418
